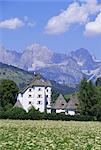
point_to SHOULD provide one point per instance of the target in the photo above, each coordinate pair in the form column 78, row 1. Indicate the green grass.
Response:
column 49, row 135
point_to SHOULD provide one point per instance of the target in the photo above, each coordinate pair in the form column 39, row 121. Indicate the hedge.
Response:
column 19, row 113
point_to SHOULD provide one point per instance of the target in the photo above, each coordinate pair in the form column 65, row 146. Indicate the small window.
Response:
column 21, row 95
column 39, row 89
column 30, row 90
column 47, row 96
column 30, row 95
column 46, row 103
column 29, row 102
column 47, row 90
column 39, row 96
column 62, row 104
column 39, row 102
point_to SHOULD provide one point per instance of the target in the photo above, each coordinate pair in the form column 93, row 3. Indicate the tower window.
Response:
column 47, row 96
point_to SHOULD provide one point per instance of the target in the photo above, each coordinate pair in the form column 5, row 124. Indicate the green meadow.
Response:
column 49, row 135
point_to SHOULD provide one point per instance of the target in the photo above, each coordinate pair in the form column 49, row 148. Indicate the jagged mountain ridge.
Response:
column 84, row 59
column 62, row 68
column 9, row 57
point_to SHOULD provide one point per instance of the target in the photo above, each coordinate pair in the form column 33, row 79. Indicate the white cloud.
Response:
column 77, row 12
column 93, row 28
column 12, row 23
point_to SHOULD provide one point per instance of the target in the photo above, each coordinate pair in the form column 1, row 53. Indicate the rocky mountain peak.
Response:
column 62, row 68
column 83, row 58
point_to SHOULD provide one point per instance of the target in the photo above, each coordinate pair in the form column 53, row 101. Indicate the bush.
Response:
column 19, row 113
column 34, row 114
column 13, row 113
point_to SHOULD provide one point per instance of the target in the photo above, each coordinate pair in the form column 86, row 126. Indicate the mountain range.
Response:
column 62, row 68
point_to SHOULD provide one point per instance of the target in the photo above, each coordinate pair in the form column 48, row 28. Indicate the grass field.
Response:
column 49, row 135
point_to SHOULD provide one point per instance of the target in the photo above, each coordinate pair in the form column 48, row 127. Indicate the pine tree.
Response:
column 8, row 93
column 87, row 97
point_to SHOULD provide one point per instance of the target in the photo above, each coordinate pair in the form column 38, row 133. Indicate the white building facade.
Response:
column 37, row 95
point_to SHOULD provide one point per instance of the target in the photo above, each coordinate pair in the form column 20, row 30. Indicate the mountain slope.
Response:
column 62, row 68
column 9, row 57
column 20, row 76
column 66, row 72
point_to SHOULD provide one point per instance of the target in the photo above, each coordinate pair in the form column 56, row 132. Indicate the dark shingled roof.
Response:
column 73, row 103
column 60, row 103
column 37, row 81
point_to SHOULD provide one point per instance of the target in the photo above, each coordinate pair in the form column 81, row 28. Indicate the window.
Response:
column 30, row 90
column 30, row 96
column 39, row 102
column 39, row 96
column 21, row 95
column 62, row 104
column 47, row 90
column 47, row 96
column 46, row 103
column 29, row 102
column 39, row 89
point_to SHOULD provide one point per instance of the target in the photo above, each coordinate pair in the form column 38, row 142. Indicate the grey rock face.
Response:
column 62, row 68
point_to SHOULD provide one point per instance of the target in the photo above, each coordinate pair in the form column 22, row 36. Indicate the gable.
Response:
column 73, row 103
column 60, row 103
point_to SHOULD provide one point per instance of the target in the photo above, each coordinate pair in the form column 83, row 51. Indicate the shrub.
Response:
column 19, row 113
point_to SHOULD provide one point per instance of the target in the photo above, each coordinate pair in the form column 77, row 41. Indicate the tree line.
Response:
column 90, row 98
column 89, row 107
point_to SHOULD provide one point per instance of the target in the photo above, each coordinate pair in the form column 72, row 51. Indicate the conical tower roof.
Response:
column 73, row 103
column 60, row 103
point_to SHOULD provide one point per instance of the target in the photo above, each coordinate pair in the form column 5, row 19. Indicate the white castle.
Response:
column 37, row 94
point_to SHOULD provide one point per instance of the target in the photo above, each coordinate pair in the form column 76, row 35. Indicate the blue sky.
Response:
column 61, row 25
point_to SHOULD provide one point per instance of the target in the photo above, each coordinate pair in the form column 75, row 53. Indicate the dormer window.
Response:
column 62, row 104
